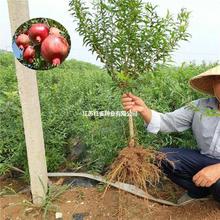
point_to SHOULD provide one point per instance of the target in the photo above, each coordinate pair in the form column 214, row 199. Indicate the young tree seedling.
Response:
column 130, row 39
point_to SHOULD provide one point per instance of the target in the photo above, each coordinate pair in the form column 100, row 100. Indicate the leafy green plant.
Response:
column 129, row 37
column 53, row 195
column 65, row 92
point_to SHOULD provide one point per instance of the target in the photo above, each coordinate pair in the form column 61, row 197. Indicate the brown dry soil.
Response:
column 115, row 205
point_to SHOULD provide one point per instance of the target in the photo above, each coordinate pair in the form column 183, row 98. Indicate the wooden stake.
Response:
column 28, row 91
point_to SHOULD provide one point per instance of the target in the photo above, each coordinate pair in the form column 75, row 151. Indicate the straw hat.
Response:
column 203, row 82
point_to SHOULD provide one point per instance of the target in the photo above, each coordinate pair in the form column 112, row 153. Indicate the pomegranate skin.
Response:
column 55, row 31
column 29, row 54
column 54, row 49
column 38, row 32
column 22, row 41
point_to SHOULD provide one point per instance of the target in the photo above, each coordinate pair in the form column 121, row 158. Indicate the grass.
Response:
column 46, row 208
column 7, row 190
column 65, row 92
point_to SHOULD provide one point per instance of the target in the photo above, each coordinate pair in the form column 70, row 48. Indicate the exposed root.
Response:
column 138, row 166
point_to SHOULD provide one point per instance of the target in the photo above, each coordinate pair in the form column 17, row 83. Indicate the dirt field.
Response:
column 115, row 205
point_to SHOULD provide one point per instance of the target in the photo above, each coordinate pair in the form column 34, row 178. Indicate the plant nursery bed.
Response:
column 82, row 203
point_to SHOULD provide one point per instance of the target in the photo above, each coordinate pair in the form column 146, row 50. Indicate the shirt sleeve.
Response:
column 176, row 121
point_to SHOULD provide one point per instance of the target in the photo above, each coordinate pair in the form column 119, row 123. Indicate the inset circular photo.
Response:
column 41, row 43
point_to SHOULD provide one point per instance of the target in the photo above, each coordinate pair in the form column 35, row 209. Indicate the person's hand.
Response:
column 207, row 176
column 133, row 103
column 136, row 104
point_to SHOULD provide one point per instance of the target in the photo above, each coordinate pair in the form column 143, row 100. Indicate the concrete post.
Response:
column 28, row 91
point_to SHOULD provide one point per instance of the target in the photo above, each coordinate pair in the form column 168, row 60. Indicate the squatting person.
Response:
column 198, row 171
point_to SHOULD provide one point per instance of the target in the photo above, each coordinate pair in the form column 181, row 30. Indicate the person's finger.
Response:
column 128, row 104
column 209, row 183
column 199, row 181
column 126, row 99
column 204, row 182
column 195, row 177
column 124, row 95
column 135, row 109
column 133, row 96
column 139, row 102
column 127, row 108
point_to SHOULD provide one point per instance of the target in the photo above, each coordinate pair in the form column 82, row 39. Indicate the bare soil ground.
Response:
column 115, row 205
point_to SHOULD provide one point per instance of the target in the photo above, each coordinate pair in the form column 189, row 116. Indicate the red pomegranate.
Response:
column 54, row 49
column 29, row 54
column 22, row 41
column 38, row 32
column 55, row 31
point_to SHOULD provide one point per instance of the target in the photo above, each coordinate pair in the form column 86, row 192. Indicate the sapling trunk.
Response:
column 131, row 130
